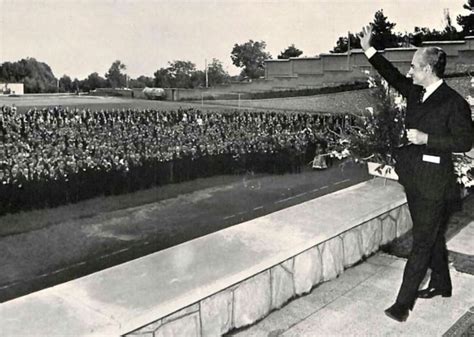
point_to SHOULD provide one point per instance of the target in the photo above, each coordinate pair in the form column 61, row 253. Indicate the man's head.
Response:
column 427, row 66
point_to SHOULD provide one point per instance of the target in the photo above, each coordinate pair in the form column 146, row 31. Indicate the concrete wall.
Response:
column 307, row 66
column 460, row 56
column 224, row 280
column 254, row 298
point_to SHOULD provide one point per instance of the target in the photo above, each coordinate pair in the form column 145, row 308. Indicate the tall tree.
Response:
column 115, row 77
column 467, row 21
column 180, row 73
column 251, row 57
column 183, row 74
column 383, row 35
column 342, row 45
column 92, row 82
column 76, row 85
column 197, row 79
column 216, row 73
column 65, row 84
column 36, row 76
column 162, row 78
column 141, row 82
column 290, row 51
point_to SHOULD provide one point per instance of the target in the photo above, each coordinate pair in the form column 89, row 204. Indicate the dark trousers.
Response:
column 430, row 219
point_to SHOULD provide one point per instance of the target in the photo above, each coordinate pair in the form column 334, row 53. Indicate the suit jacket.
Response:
column 446, row 117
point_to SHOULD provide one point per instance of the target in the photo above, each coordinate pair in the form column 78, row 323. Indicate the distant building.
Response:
column 11, row 89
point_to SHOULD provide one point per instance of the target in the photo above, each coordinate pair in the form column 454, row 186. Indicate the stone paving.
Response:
column 354, row 303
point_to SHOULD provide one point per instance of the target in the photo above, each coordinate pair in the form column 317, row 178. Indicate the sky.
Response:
column 79, row 37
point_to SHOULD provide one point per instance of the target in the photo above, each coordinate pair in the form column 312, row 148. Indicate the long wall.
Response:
column 329, row 70
column 203, row 287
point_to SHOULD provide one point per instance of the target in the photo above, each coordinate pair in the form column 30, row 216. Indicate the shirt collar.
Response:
column 431, row 88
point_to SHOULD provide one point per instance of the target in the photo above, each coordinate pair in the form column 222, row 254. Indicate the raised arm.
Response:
column 390, row 73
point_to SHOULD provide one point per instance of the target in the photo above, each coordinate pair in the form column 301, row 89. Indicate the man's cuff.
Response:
column 370, row 52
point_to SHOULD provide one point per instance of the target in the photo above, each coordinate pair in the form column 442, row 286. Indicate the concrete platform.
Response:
column 259, row 260
column 354, row 303
column 464, row 241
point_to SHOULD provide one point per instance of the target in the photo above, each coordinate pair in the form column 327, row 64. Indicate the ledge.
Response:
column 149, row 291
column 429, row 43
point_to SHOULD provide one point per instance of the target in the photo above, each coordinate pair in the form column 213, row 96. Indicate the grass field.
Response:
column 343, row 102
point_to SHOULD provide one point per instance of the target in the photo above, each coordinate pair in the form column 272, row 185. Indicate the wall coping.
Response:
column 294, row 59
column 125, row 297
column 443, row 42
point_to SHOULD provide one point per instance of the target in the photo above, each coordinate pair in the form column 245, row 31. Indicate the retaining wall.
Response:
column 225, row 280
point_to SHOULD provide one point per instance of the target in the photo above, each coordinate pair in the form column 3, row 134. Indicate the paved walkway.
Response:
column 354, row 303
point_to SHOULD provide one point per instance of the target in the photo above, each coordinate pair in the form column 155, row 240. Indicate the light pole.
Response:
column 207, row 77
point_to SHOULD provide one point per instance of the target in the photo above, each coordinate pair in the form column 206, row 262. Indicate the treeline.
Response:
column 385, row 35
column 36, row 76
column 250, row 56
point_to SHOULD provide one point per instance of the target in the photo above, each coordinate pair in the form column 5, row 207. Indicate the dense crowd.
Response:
column 57, row 155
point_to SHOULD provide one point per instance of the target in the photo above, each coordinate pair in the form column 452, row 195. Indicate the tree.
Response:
column 65, row 84
column 76, row 84
column 183, row 74
column 141, row 82
column 290, row 51
column 251, row 57
column 115, row 77
column 216, row 73
column 467, row 21
column 197, row 79
column 180, row 73
column 92, row 82
column 449, row 33
column 162, row 78
column 342, row 45
column 36, row 76
column 383, row 35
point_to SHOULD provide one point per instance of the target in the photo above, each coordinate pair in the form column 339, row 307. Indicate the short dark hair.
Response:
column 436, row 58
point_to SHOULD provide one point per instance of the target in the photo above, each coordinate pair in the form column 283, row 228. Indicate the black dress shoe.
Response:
column 432, row 292
column 397, row 312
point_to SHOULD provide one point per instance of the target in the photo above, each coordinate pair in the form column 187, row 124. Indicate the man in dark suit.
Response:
column 438, row 122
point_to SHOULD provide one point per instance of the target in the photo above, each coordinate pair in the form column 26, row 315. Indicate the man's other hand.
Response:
column 366, row 37
column 417, row 137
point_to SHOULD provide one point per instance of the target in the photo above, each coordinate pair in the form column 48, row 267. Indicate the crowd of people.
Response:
column 58, row 155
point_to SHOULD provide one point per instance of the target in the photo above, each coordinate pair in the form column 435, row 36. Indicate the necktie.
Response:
column 422, row 93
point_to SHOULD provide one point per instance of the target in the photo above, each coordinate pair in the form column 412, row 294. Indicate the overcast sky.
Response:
column 78, row 37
